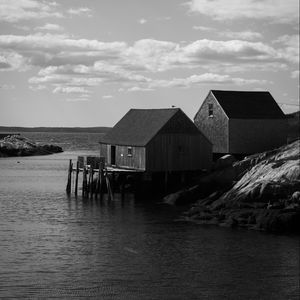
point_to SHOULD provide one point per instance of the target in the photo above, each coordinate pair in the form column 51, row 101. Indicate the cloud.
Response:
column 107, row 96
column 62, row 61
column 204, row 28
column 71, row 90
column 148, row 54
column 10, row 61
column 15, row 11
column 142, row 21
column 37, row 87
column 7, row 87
column 206, row 78
column 243, row 35
column 81, row 11
column 139, row 89
column 289, row 47
column 50, row 27
column 279, row 11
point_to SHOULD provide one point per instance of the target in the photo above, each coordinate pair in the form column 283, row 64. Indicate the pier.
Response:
column 97, row 178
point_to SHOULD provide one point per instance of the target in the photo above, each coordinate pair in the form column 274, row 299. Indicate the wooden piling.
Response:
column 91, row 181
column 99, row 185
column 68, row 187
column 76, row 178
column 84, row 182
column 109, row 191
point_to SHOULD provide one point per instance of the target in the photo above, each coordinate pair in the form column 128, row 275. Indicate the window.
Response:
column 182, row 150
column 210, row 110
column 129, row 151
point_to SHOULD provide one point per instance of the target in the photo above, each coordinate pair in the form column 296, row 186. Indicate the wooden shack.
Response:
column 241, row 122
column 156, row 140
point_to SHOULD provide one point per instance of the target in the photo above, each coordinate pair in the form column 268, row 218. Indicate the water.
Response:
column 52, row 246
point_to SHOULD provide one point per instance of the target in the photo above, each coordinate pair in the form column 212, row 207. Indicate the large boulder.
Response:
column 16, row 145
column 224, row 162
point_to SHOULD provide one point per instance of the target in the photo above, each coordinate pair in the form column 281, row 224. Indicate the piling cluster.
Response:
column 95, row 179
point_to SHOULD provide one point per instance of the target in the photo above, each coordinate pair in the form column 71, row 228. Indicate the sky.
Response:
column 87, row 62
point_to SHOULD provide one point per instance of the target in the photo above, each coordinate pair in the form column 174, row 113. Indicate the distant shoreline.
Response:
column 8, row 129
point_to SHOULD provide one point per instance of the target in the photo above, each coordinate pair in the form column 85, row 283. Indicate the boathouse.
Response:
column 156, row 140
column 241, row 122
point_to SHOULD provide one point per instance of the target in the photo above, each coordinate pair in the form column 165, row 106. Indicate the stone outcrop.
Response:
column 260, row 192
column 16, row 145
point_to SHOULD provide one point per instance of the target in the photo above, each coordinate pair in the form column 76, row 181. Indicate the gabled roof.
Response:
column 248, row 104
column 139, row 126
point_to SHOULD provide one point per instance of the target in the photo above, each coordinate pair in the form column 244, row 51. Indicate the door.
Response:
column 112, row 155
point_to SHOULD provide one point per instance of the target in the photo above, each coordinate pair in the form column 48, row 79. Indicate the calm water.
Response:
column 55, row 247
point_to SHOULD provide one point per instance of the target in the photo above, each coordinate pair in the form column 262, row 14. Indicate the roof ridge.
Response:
column 234, row 91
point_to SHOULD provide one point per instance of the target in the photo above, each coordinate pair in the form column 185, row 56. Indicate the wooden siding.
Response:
column 214, row 128
column 136, row 161
column 251, row 136
column 105, row 152
column 178, row 152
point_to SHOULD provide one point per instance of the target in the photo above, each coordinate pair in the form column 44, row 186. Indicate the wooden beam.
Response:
column 68, row 187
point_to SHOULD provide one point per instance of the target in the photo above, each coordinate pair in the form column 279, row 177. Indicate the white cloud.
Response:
column 274, row 10
column 14, row 11
column 67, row 62
column 81, row 11
column 107, row 96
column 139, row 89
column 243, row 35
column 37, row 87
column 206, row 78
column 142, row 21
column 204, row 28
column 70, row 90
column 7, row 87
column 10, row 61
column 50, row 27
column 152, row 55
column 289, row 47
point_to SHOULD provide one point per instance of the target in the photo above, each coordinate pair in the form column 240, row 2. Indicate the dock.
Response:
column 97, row 178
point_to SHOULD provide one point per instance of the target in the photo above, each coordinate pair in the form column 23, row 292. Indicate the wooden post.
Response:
column 91, row 179
column 88, row 181
column 109, row 191
column 84, row 182
column 100, row 176
column 76, row 178
column 113, row 184
column 68, row 187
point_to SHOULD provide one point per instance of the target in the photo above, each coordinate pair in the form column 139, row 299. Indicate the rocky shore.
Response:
column 16, row 145
column 261, row 192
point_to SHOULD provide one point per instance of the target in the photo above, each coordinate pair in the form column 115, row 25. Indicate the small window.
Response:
column 129, row 151
column 210, row 110
column 182, row 150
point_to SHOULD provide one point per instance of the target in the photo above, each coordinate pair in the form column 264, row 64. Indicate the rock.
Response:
column 224, row 162
column 16, row 145
column 296, row 197
column 264, row 192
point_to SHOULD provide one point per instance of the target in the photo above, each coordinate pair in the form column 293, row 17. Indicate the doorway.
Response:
column 112, row 155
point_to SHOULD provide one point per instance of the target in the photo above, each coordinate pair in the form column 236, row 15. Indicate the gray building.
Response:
column 241, row 122
column 156, row 140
